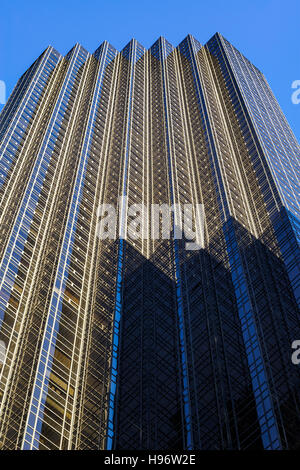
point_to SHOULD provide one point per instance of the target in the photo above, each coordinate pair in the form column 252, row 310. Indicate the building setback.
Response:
column 139, row 343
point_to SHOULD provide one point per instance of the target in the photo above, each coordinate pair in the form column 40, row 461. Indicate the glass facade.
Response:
column 139, row 343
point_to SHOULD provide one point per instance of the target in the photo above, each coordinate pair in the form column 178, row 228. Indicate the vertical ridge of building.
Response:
column 165, row 50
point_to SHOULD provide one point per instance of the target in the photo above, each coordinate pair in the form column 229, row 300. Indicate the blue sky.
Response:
column 265, row 31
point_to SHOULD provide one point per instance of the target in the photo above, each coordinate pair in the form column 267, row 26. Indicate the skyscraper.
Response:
column 140, row 343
